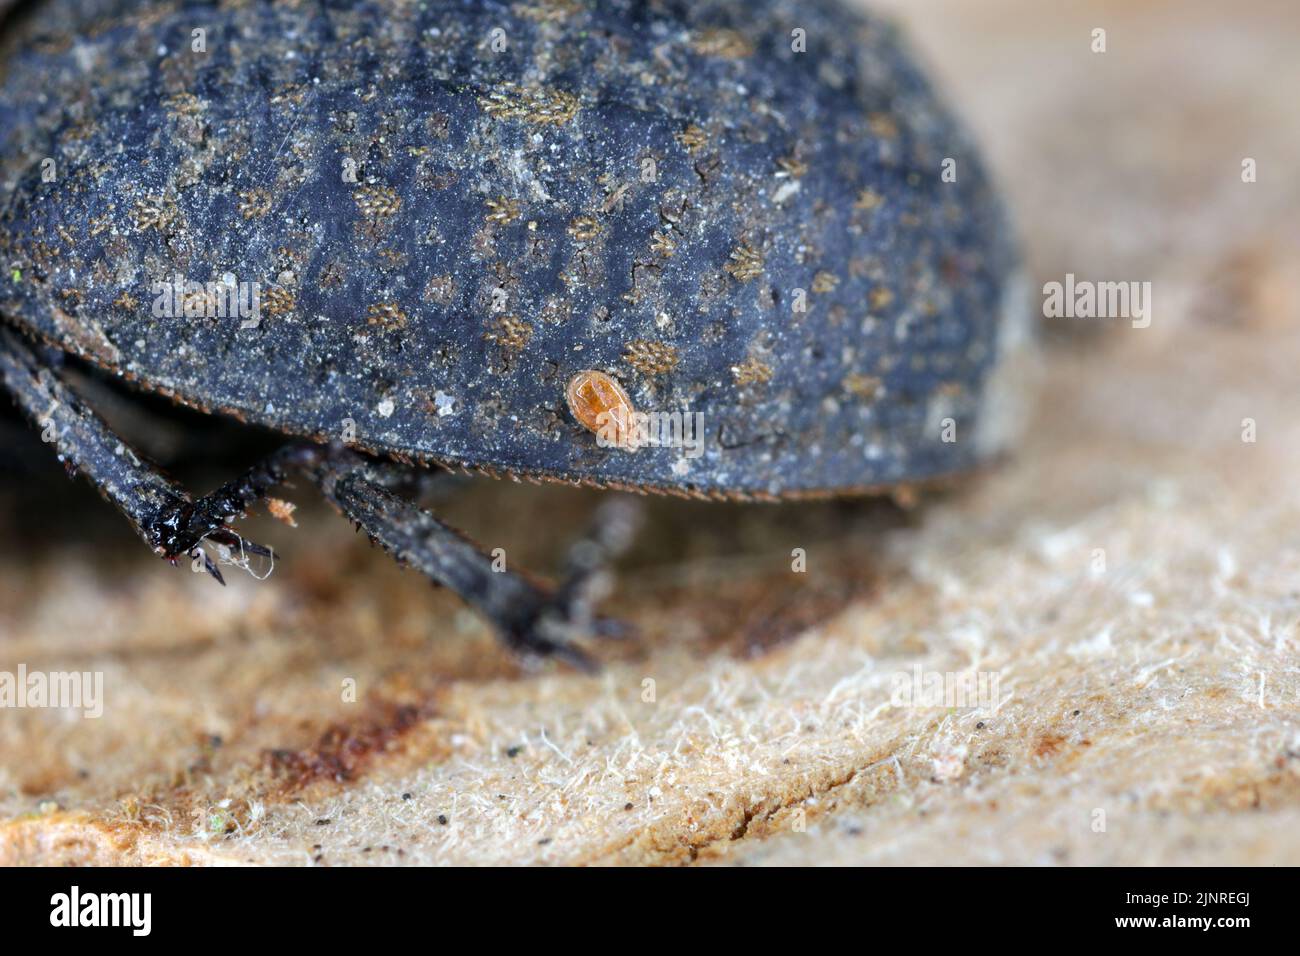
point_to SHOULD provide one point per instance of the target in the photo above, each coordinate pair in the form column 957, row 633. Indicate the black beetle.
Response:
column 719, row 249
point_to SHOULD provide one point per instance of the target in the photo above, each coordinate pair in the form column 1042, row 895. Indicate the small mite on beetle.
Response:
column 601, row 405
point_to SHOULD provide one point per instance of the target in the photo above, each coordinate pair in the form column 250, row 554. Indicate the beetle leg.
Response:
column 587, row 578
column 187, row 526
column 530, row 618
column 82, row 440
column 161, row 511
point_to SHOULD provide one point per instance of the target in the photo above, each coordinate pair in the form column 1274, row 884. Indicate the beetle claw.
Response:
column 210, row 566
column 261, row 550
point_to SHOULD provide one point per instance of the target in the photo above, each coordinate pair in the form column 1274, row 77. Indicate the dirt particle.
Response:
column 693, row 138
column 502, row 210
column 377, row 202
column 868, row 199
column 277, row 300
column 282, row 510
column 746, row 263
column 651, row 358
column 879, row 298
column 824, row 282
column 387, row 315
column 254, row 203
column 536, row 105
column 584, row 229
column 752, row 371
column 719, row 42
column 863, row 386
column 509, row 332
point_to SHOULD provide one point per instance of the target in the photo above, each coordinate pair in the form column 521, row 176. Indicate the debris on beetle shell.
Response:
column 282, row 510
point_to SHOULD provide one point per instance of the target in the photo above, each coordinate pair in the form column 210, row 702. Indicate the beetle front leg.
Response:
column 162, row 512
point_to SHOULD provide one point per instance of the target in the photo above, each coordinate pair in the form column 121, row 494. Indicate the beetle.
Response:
column 547, row 240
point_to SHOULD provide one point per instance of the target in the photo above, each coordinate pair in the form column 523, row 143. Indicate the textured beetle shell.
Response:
column 638, row 188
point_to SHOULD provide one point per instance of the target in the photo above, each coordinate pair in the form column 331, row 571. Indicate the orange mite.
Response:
column 601, row 405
